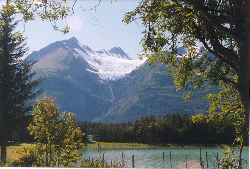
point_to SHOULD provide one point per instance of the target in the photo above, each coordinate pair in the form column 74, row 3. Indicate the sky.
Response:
column 100, row 28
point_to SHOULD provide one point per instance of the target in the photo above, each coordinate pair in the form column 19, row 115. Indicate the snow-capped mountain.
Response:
column 78, row 77
column 110, row 64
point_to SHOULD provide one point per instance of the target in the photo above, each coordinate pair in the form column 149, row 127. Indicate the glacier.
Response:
column 108, row 65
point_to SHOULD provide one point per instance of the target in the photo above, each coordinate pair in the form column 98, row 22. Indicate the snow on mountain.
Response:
column 109, row 64
column 184, row 52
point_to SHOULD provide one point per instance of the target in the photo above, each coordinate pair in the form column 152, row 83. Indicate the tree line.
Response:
column 222, row 33
column 171, row 128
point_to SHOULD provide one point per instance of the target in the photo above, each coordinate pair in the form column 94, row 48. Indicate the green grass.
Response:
column 12, row 155
column 106, row 144
column 129, row 145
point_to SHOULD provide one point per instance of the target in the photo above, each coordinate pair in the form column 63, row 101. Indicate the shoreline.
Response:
column 115, row 144
column 12, row 155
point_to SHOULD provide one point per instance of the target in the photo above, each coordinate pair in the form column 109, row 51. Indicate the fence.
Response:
column 167, row 158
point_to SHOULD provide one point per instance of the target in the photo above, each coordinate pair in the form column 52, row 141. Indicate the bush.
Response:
column 28, row 157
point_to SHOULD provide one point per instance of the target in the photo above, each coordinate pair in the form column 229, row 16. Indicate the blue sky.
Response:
column 102, row 27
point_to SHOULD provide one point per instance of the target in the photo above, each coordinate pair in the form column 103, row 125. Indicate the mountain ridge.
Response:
column 108, row 64
column 108, row 86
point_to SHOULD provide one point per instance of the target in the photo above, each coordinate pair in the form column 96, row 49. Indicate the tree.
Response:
column 51, row 11
column 221, row 26
column 16, row 84
column 16, row 88
column 58, row 138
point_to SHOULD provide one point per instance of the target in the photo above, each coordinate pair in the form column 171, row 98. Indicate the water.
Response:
column 152, row 157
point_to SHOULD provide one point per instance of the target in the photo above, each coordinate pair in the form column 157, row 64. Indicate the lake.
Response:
column 152, row 157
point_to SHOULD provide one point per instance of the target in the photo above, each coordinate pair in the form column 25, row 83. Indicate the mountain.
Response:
column 78, row 77
column 107, row 85
column 108, row 64
column 149, row 91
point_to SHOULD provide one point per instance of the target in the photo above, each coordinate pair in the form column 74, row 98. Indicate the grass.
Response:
column 129, row 145
column 106, row 144
column 12, row 155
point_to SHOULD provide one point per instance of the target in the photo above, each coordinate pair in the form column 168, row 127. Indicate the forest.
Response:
column 169, row 129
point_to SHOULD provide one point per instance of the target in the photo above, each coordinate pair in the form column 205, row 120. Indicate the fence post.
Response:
column 170, row 156
column 170, row 160
column 133, row 162
column 186, row 162
column 207, row 159
column 200, row 158
column 217, row 160
column 163, row 156
column 103, row 160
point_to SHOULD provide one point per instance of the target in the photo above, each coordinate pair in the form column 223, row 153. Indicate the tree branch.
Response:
column 212, row 21
column 93, row 7
column 215, row 51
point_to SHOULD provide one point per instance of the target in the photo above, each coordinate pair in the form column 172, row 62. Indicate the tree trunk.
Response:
column 3, row 150
column 243, row 74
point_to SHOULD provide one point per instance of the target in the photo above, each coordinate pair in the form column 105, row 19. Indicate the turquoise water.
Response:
column 152, row 157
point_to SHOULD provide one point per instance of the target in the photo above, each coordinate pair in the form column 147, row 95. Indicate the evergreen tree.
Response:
column 16, row 85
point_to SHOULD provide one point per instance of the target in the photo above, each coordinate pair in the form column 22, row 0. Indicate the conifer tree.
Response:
column 16, row 84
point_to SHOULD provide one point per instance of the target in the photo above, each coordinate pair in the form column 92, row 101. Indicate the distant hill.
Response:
column 107, row 85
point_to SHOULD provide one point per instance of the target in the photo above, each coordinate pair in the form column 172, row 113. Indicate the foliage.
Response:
column 221, row 26
column 16, row 84
column 22, row 134
column 58, row 138
column 51, row 11
column 228, row 159
column 28, row 157
column 99, row 163
column 208, row 22
column 171, row 128
column 227, row 103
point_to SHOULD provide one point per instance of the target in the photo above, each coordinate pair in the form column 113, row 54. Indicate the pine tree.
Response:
column 16, row 84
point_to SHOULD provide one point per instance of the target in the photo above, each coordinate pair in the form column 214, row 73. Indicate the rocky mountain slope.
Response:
column 149, row 91
column 107, row 85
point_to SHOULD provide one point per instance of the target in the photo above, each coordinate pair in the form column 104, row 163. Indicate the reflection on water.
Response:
column 152, row 157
